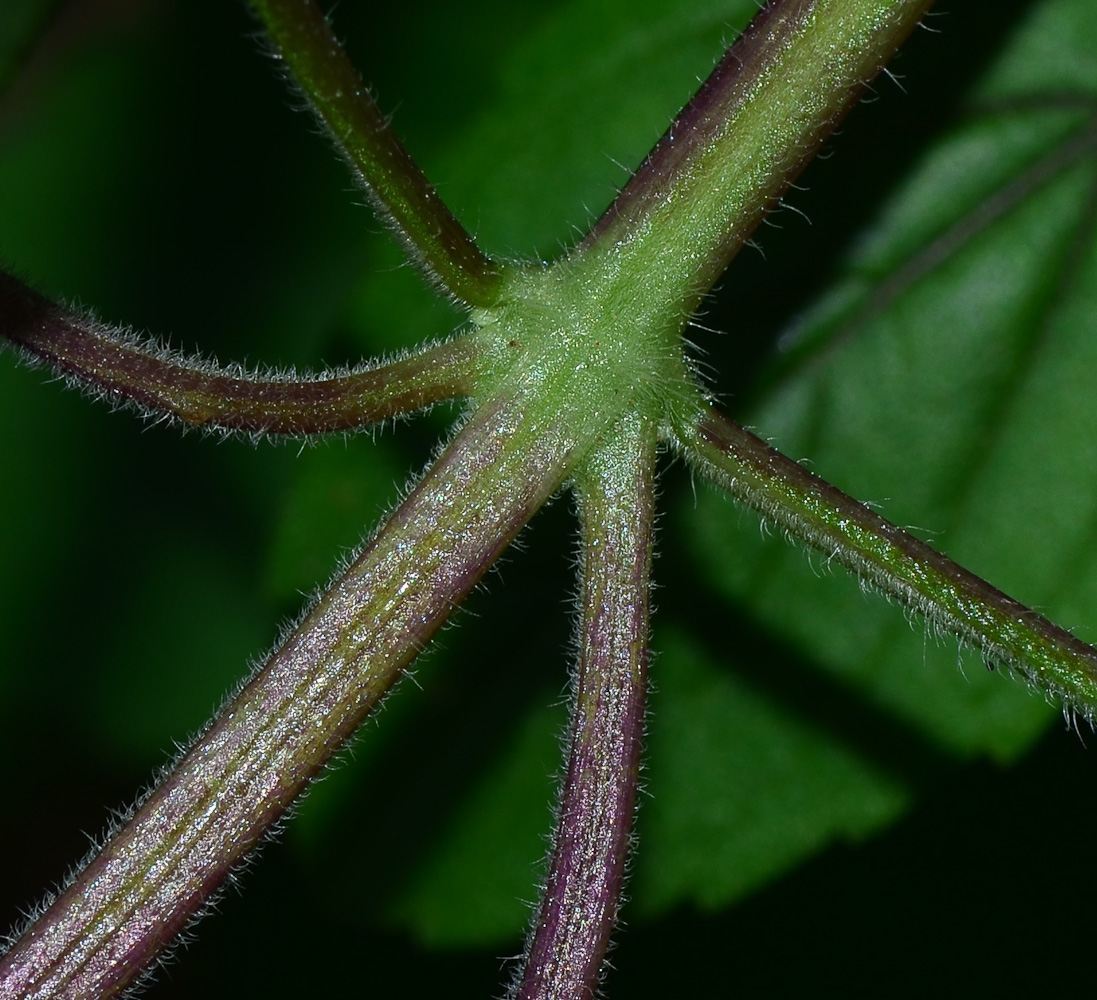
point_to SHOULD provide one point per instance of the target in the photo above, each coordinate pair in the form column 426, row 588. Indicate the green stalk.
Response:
column 400, row 193
column 774, row 99
column 894, row 561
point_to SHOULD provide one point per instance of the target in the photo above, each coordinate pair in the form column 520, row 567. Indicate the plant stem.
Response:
column 579, row 907
column 115, row 364
column 400, row 192
column 776, row 96
column 894, row 561
column 158, row 871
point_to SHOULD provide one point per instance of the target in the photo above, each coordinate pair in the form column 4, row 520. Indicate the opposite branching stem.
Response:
column 894, row 561
column 134, row 372
column 582, row 892
column 400, row 193
column 579, row 362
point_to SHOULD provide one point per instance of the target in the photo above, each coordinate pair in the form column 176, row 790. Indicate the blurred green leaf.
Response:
column 340, row 491
column 476, row 885
column 944, row 373
column 20, row 23
column 743, row 785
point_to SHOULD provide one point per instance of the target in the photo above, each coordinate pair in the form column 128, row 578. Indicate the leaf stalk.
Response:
column 894, row 561
column 776, row 96
column 400, row 192
column 579, row 906
column 134, row 372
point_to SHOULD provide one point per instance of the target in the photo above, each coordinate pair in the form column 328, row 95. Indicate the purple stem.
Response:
column 155, row 874
column 582, row 895
column 123, row 369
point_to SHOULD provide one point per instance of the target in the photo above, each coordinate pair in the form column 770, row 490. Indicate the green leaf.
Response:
column 339, row 492
column 493, row 849
column 743, row 784
column 944, row 375
column 20, row 22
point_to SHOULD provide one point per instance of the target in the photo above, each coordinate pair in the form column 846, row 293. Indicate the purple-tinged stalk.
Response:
column 582, row 893
column 134, row 372
column 400, row 193
column 155, row 874
column 894, row 561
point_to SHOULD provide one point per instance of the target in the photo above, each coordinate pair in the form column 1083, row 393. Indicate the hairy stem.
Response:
column 776, row 96
column 582, row 893
column 156, row 873
column 124, row 369
column 894, row 561
column 401, row 194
